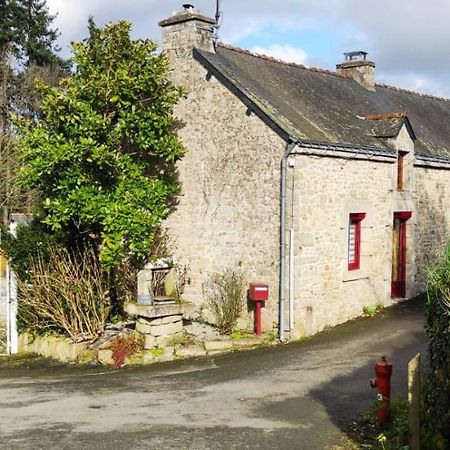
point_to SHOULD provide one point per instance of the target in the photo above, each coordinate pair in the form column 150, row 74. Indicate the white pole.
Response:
column 291, row 280
column 11, row 293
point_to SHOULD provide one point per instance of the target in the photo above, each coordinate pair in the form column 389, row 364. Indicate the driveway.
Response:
column 295, row 396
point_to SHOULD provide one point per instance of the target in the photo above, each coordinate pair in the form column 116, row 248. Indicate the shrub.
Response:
column 438, row 331
column 30, row 241
column 224, row 295
column 65, row 293
column 123, row 347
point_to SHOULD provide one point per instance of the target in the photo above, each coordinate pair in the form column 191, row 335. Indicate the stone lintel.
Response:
column 153, row 311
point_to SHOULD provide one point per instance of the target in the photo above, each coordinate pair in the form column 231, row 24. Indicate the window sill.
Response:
column 353, row 275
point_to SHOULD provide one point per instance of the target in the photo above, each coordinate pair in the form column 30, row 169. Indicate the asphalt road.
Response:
column 295, row 396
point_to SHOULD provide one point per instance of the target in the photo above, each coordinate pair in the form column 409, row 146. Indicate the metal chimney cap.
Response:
column 356, row 55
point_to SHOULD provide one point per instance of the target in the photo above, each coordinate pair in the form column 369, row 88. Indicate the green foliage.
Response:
column 224, row 294
column 387, row 436
column 371, row 311
column 31, row 242
column 27, row 52
column 102, row 154
column 157, row 352
column 438, row 331
column 239, row 334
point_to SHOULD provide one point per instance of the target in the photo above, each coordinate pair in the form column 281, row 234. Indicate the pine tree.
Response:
column 27, row 51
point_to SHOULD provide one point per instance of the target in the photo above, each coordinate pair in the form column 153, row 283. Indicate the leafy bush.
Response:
column 224, row 295
column 31, row 241
column 102, row 154
column 65, row 293
column 438, row 331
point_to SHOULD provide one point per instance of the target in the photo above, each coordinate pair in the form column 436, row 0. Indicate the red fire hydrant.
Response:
column 383, row 372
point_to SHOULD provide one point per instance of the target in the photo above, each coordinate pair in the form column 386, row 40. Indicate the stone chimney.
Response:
column 186, row 30
column 357, row 67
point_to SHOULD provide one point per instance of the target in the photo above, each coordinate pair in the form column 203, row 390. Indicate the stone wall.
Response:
column 228, row 211
column 432, row 198
column 326, row 191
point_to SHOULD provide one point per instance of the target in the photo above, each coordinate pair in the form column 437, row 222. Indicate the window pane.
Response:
column 351, row 242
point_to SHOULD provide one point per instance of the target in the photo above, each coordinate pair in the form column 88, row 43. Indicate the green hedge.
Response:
column 438, row 331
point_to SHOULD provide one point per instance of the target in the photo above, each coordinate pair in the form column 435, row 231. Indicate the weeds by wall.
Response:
column 224, row 293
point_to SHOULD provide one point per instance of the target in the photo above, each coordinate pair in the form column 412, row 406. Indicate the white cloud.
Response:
column 286, row 52
column 401, row 36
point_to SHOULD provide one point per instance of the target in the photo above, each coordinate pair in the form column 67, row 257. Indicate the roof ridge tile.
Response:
column 271, row 58
column 327, row 72
column 408, row 91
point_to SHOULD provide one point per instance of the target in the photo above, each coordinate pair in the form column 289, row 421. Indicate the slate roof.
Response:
column 323, row 106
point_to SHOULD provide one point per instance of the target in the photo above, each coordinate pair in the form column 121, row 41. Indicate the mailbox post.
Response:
column 258, row 293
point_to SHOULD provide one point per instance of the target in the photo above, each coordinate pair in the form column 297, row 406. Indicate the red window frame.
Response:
column 354, row 258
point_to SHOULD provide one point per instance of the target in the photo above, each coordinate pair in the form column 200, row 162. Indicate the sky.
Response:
column 409, row 40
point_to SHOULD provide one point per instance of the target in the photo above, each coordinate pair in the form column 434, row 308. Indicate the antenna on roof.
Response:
column 217, row 24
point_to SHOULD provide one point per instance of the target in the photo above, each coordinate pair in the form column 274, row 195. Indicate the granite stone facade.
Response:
column 228, row 213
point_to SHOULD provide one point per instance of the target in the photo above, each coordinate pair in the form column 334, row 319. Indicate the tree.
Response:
column 27, row 51
column 102, row 153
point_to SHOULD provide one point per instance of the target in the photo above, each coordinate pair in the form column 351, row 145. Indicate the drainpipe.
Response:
column 289, row 147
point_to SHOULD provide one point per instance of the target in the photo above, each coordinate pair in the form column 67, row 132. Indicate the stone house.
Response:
column 332, row 189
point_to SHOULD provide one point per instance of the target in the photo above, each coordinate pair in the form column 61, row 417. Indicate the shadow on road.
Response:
column 347, row 396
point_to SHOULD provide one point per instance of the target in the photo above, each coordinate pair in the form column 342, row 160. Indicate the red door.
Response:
column 398, row 283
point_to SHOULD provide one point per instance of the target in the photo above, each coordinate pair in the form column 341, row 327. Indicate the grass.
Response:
column 27, row 361
column 392, row 435
column 239, row 334
column 157, row 352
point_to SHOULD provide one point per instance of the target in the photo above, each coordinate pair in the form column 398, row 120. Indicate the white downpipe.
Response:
column 291, row 279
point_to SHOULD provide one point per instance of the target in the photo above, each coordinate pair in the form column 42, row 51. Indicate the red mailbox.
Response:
column 259, row 292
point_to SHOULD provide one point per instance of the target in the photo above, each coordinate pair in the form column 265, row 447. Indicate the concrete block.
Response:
column 246, row 342
column 64, row 351
column 166, row 341
column 218, row 345
column 168, row 355
column 149, row 342
column 167, row 329
column 105, row 357
column 190, row 351
column 142, row 326
column 152, row 312
column 171, row 319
